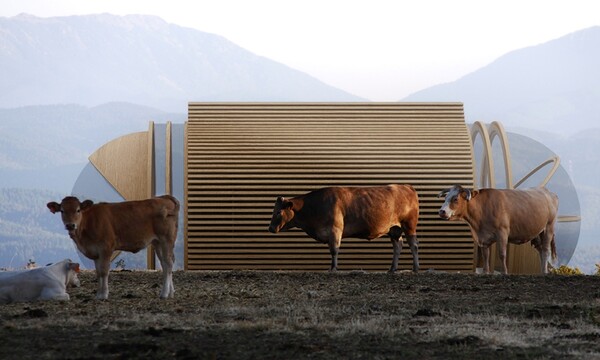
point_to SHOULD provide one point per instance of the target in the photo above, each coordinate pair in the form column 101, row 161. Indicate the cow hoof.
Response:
column 392, row 271
column 168, row 295
column 101, row 296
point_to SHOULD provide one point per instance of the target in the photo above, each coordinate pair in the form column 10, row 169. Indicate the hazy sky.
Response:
column 380, row 50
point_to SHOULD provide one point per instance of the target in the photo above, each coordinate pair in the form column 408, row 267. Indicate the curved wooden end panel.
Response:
column 124, row 164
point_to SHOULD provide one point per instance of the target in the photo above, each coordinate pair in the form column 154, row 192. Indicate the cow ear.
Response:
column 280, row 200
column 469, row 194
column 86, row 204
column 74, row 267
column 474, row 193
column 53, row 206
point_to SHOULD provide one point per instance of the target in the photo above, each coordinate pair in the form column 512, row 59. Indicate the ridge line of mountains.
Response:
column 96, row 59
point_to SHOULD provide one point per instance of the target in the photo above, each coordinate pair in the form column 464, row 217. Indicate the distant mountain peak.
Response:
column 147, row 22
column 151, row 22
column 142, row 59
column 550, row 86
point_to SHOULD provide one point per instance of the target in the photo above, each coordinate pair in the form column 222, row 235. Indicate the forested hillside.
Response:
column 28, row 231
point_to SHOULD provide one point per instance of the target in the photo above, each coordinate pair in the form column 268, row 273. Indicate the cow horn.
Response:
column 443, row 193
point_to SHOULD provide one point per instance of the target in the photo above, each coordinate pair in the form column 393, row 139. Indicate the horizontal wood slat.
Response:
column 241, row 156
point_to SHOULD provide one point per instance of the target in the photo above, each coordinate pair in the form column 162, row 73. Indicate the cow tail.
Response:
column 175, row 211
column 171, row 212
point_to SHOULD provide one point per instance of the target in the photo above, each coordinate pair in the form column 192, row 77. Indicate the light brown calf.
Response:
column 330, row 214
column 100, row 229
column 503, row 216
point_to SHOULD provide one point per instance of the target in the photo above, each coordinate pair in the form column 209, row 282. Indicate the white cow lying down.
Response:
column 45, row 283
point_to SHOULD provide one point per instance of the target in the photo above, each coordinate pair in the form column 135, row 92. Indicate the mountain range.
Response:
column 71, row 84
column 95, row 59
column 551, row 87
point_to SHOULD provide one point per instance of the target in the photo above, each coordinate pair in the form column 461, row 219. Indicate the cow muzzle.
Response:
column 272, row 230
column 71, row 227
column 444, row 215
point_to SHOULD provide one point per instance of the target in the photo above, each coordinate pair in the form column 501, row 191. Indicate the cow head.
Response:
column 283, row 213
column 72, row 271
column 456, row 203
column 71, row 211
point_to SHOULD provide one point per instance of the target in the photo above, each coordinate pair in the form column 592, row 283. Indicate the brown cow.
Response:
column 100, row 229
column 330, row 214
column 503, row 216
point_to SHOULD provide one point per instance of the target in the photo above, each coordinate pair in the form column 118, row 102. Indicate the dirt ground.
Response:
column 288, row 315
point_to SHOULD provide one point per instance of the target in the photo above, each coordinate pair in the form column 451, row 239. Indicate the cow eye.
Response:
column 455, row 199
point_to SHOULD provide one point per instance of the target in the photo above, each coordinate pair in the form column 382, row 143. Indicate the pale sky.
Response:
column 382, row 50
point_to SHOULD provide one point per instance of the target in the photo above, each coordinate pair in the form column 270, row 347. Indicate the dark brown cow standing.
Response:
column 330, row 214
column 503, row 216
column 100, row 229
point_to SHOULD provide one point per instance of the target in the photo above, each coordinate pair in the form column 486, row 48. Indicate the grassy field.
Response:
column 288, row 315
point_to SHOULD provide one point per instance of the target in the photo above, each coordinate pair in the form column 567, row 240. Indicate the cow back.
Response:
column 526, row 212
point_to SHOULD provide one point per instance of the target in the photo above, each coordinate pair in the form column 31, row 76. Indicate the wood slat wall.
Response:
column 241, row 156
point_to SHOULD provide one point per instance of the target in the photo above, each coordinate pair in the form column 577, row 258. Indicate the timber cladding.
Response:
column 241, row 156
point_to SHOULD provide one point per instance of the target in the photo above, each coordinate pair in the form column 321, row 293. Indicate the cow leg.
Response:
column 53, row 294
column 397, row 246
column 414, row 249
column 545, row 249
column 102, row 269
column 409, row 226
column 166, row 262
column 333, row 250
column 538, row 243
column 502, row 246
column 396, row 239
column 485, row 251
column 548, row 245
column 480, row 258
column 543, row 260
column 335, row 241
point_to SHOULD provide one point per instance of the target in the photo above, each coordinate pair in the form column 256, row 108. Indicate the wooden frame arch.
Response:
column 497, row 131
column 487, row 177
column 487, row 135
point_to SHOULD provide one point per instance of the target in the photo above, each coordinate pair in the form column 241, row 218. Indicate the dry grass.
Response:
column 246, row 314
